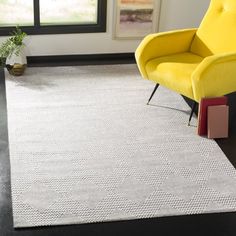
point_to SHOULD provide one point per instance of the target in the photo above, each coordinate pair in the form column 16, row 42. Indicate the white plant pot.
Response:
column 16, row 64
column 20, row 59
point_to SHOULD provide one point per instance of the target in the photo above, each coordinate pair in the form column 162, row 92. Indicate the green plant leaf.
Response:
column 12, row 45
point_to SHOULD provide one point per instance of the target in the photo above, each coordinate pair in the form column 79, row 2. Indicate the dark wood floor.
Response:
column 222, row 224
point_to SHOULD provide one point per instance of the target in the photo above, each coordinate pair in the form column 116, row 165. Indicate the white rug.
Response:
column 85, row 147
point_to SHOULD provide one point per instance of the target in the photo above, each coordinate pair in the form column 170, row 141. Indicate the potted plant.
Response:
column 11, row 53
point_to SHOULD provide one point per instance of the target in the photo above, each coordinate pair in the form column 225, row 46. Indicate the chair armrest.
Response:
column 162, row 44
column 215, row 76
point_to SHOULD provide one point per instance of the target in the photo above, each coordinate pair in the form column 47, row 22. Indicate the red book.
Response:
column 202, row 113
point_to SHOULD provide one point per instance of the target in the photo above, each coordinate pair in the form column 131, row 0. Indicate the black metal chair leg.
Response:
column 153, row 92
column 192, row 111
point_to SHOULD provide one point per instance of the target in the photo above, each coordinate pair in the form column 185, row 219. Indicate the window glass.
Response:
column 16, row 12
column 61, row 12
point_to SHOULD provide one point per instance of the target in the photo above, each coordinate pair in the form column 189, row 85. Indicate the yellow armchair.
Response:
column 196, row 63
column 162, row 44
column 215, row 76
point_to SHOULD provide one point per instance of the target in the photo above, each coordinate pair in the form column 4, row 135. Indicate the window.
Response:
column 53, row 16
column 54, row 12
column 16, row 12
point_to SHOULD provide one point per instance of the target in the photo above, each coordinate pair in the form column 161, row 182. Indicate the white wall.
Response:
column 182, row 13
column 174, row 14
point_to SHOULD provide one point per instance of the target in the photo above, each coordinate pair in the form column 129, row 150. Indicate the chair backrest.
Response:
column 217, row 32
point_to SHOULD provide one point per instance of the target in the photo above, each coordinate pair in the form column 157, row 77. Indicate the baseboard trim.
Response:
column 83, row 59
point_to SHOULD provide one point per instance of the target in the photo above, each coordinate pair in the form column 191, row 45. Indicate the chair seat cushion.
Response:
column 174, row 71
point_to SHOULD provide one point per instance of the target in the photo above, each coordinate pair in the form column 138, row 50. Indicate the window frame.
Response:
column 38, row 29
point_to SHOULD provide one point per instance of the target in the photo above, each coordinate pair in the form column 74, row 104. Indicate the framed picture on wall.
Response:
column 133, row 19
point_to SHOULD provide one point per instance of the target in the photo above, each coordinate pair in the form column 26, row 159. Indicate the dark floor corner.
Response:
column 220, row 224
column 228, row 145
